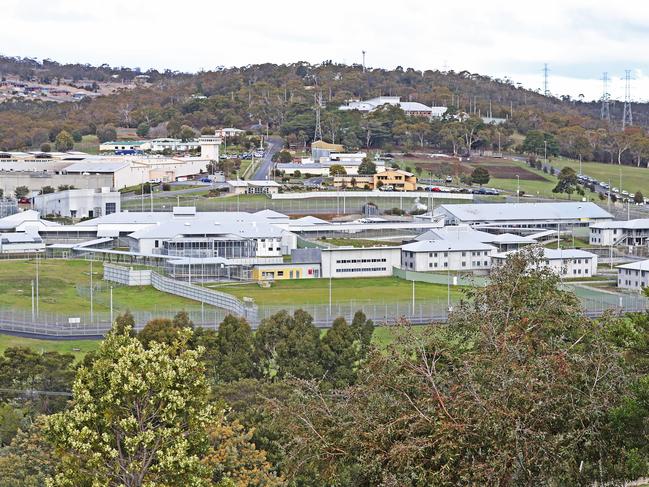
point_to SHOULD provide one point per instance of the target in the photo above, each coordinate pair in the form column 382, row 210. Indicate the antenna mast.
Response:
column 627, row 116
column 605, row 114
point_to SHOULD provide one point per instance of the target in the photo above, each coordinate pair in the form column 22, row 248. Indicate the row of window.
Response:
column 359, row 261
column 362, row 269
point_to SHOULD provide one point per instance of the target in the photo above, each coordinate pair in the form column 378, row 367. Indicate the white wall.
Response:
column 454, row 260
column 632, row 279
column 361, row 262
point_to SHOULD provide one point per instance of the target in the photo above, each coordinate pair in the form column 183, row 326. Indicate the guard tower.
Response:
column 210, row 147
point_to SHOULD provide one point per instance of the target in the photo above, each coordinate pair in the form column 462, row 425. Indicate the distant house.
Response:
column 396, row 179
column 229, row 132
column 115, row 145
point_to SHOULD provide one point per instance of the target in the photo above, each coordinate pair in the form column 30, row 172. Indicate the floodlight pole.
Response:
column 33, row 300
column 111, row 306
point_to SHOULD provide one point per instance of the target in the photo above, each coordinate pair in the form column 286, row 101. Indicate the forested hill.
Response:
column 283, row 97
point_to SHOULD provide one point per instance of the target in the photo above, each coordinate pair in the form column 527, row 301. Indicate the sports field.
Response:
column 316, row 291
column 58, row 292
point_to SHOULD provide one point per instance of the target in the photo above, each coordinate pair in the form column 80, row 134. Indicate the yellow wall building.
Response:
column 274, row 272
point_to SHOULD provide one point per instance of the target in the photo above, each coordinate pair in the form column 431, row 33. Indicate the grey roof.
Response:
column 642, row 265
column 242, row 225
column 554, row 254
column 95, row 167
column 309, row 220
column 525, row 211
column 20, row 237
column 414, row 106
column 638, row 224
column 465, row 232
column 446, row 245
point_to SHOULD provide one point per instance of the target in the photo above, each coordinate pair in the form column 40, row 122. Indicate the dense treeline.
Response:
column 282, row 98
column 519, row 388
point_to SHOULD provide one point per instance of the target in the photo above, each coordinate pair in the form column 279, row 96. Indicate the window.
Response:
column 280, row 273
column 111, row 208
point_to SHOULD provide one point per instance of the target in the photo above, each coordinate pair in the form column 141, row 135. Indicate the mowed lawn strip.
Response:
column 57, row 283
column 378, row 290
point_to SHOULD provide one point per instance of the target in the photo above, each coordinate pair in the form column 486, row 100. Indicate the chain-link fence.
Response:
column 87, row 325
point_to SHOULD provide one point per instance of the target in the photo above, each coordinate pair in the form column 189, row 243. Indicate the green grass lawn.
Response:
column 316, row 291
column 59, row 295
column 78, row 348
column 633, row 178
column 89, row 144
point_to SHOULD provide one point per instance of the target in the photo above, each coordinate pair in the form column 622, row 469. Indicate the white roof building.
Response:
column 569, row 263
column 628, row 232
column 633, row 276
column 20, row 243
column 503, row 241
column 263, row 186
column 447, row 255
column 523, row 215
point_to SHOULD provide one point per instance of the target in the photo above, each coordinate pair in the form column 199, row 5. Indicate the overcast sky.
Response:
column 579, row 39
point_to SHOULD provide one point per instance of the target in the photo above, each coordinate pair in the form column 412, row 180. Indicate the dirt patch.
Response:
column 510, row 172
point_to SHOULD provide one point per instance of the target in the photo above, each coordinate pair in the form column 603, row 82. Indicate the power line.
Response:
column 605, row 112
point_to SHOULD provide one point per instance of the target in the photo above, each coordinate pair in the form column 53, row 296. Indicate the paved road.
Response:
column 275, row 144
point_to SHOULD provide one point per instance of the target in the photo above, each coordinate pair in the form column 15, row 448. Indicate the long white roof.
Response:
column 525, row 211
column 555, row 254
column 637, row 224
column 642, row 265
column 446, row 246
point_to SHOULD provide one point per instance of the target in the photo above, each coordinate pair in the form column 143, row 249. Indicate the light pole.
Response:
column 38, row 261
column 413, row 295
column 111, row 305
column 518, row 189
column 92, row 309
column 330, row 258
column 33, row 309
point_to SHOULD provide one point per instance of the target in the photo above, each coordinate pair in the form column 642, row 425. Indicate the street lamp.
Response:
column 518, row 189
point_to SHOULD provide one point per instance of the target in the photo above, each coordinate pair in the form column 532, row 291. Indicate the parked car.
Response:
column 24, row 201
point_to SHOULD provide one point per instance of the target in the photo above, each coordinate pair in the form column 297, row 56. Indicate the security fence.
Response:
column 87, row 325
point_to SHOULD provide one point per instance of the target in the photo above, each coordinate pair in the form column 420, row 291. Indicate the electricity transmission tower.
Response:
column 318, row 125
column 605, row 113
column 546, row 91
column 627, row 115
